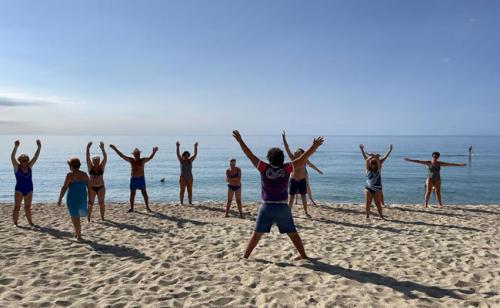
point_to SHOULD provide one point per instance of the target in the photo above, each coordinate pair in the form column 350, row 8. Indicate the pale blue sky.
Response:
column 206, row 67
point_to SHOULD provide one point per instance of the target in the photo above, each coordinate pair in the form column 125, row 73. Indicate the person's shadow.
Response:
column 115, row 250
column 406, row 287
column 125, row 226
column 178, row 220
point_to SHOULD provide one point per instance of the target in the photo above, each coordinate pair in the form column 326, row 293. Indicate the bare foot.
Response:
column 130, row 211
column 308, row 216
column 298, row 258
column 148, row 209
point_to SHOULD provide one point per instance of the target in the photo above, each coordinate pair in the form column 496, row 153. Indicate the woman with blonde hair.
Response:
column 96, row 172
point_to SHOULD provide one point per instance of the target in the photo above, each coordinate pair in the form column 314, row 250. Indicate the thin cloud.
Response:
column 21, row 100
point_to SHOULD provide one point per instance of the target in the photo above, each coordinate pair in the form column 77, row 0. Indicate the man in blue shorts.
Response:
column 137, row 180
column 274, row 181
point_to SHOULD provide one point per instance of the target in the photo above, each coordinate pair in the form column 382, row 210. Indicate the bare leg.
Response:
column 309, row 191
column 27, row 208
column 297, row 242
column 18, row 199
column 132, row 200
column 304, row 204
column 291, row 201
column 182, row 186
column 382, row 197
column 92, row 196
column 437, row 186
column 78, row 228
column 254, row 240
column 428, row 191
column 368, row 198
column 238, row 202
column 190, row 191
column 146, row 198
column 230, row 194
column 100, row 199
column 378, row 203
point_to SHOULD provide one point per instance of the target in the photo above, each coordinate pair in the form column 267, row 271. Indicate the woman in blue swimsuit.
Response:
column 24, row 183
column 233, row 179
column 77, row 186
column 373, row 187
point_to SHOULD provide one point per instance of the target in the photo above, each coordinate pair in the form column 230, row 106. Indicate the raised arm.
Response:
column 153, row 153
column 387, row 154
column 15, row 164
column 287, row 148
column 87, row 156
column 245, row 149
column 443, row 164
column 195, row 151
column 37, row 153
column 314, row 167
column 64, row 188
column 422, row 162
column 126, row 158
column 178, row 151
column 317, row 142
column 362, row 148
column 104, row 155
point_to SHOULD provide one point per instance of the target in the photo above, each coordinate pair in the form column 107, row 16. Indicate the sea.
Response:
column 339, row 159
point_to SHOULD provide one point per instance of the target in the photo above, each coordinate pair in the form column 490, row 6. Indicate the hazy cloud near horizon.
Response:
column 16, row 102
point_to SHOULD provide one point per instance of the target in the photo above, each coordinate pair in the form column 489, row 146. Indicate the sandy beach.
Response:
column 191, row 256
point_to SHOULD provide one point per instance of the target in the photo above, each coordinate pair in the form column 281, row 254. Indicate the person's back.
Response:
column 274, row 181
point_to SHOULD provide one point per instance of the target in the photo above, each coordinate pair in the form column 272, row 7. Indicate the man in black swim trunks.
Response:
column 298, row 178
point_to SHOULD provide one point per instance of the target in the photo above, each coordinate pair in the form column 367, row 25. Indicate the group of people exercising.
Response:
column 280, row 184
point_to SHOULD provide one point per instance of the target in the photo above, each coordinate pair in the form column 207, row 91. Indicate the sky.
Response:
column 427, row 67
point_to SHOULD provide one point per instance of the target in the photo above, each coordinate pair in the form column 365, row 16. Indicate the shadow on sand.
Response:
column 406, row 287
column 421, row 223
column 426, row 212
column 365, row 226
column 117, row 251
column 473, row 210
column 178, row 220
column 125, row 226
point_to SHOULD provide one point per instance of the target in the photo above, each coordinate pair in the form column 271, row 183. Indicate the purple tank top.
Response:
column 274, row 181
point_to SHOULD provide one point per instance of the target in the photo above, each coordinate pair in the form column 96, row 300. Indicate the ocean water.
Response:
column 339, row 158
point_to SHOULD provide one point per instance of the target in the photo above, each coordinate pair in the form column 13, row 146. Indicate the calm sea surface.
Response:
column 338, row 158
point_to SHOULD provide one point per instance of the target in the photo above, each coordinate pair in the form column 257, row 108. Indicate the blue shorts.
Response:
column 275, row 213
column 137, row 183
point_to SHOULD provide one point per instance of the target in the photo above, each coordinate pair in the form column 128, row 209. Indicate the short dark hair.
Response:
column 436, row 153
column 233, row 159
column 74, row 163
column 276, row 156
column 186, row 153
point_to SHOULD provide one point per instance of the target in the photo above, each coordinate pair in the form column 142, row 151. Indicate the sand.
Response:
column 191, row 256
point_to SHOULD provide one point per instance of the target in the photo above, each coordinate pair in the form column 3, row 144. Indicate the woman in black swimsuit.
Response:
column 233, row 179
column 96, row 183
